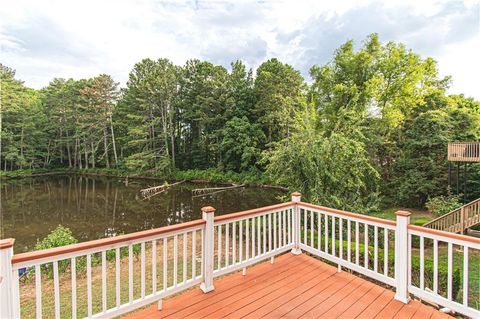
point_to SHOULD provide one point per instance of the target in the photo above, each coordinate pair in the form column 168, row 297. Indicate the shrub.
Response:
column 441, row 205
column 61, row 236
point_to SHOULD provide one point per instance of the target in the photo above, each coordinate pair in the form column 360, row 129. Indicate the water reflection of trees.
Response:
column 101, row 207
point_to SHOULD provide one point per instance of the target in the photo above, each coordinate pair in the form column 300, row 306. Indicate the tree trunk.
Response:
column 86, row 155
column 113, row 142
column 105, row 145
column 21, row 148
column 69, row 156
column 93, row 155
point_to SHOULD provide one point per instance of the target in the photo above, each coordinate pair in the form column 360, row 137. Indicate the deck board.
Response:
column 292, row 287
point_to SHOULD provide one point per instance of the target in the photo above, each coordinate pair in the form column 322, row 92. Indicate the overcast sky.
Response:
column 79, row 39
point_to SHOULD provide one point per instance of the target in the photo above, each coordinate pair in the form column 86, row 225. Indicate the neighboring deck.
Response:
column 293, row 287
column 464, row 152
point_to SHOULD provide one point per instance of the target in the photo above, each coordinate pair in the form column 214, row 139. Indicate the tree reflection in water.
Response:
column 95, row 207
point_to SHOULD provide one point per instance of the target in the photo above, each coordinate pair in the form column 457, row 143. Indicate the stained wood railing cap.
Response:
column 296, row 194
column 208, row 209
column 7, row 243
column 403, row 213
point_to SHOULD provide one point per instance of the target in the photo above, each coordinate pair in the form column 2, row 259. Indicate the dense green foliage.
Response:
column 373, row 124
column 440, row 205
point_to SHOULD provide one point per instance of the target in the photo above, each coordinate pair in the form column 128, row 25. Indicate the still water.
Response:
column 98, row 207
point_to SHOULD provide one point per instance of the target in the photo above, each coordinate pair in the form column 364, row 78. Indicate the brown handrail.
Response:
column 462, row 224
column 350, row 214
column 249, row 212
column 437, row 232
column 39, row 254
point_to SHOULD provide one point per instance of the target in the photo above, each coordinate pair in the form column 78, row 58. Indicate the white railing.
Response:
column 464, row 152
column 346, row 239
column 116, row 275
column 73, row 265
column 466, row 280
column 248, row 237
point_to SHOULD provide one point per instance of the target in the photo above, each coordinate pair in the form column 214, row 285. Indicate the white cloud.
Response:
column 46, row 39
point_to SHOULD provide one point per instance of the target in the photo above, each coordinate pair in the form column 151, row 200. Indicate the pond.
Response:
column 98, row 207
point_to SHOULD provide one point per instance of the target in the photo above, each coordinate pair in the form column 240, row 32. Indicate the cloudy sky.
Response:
column 46, row 39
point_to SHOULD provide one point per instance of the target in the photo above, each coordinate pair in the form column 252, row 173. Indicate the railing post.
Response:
column 402, row 256
column 9, row 297
column 296, row 197
column 208, row 214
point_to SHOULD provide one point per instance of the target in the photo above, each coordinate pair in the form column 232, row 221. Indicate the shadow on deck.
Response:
column 293, row 287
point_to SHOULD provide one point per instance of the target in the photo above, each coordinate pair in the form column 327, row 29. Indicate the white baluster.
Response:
column 227, row 244
column 73, row 266
column 154, row 266
column 104, row 281
column 465, row 275
column 349, row 241
column 184, row 258
column 375, row 249
column 422, row 263
column 450, row 270
column 56, row 289
column 142, row 270
column 194, row 254
column 130, row 273
column 165, row 263
column 385, row 252
column 38, row 291
column 175, row 261
column 117, row 277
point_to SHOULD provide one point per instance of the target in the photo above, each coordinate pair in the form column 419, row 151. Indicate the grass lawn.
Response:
column 418, row 217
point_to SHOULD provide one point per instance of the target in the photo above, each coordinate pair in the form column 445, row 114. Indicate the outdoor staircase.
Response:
column 458, row 220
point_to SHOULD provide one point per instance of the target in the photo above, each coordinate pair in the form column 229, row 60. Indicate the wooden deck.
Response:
column 293, row 287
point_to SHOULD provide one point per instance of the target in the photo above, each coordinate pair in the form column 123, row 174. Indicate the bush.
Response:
column 441, row 205
column 61, row 236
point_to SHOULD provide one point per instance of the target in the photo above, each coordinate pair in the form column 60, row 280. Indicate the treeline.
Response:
column 374, row 123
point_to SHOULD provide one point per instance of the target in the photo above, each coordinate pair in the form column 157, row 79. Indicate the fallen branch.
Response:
column 148, row 193
column 213, row 190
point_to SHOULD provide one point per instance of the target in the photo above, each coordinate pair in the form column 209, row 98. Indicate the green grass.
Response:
column 418, row 217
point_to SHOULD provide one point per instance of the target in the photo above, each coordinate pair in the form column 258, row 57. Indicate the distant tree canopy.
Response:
column 373, row 124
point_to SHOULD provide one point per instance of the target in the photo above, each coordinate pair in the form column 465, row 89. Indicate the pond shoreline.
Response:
column 30, row 174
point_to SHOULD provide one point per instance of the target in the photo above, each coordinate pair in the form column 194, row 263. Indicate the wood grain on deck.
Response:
column 293, row 287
